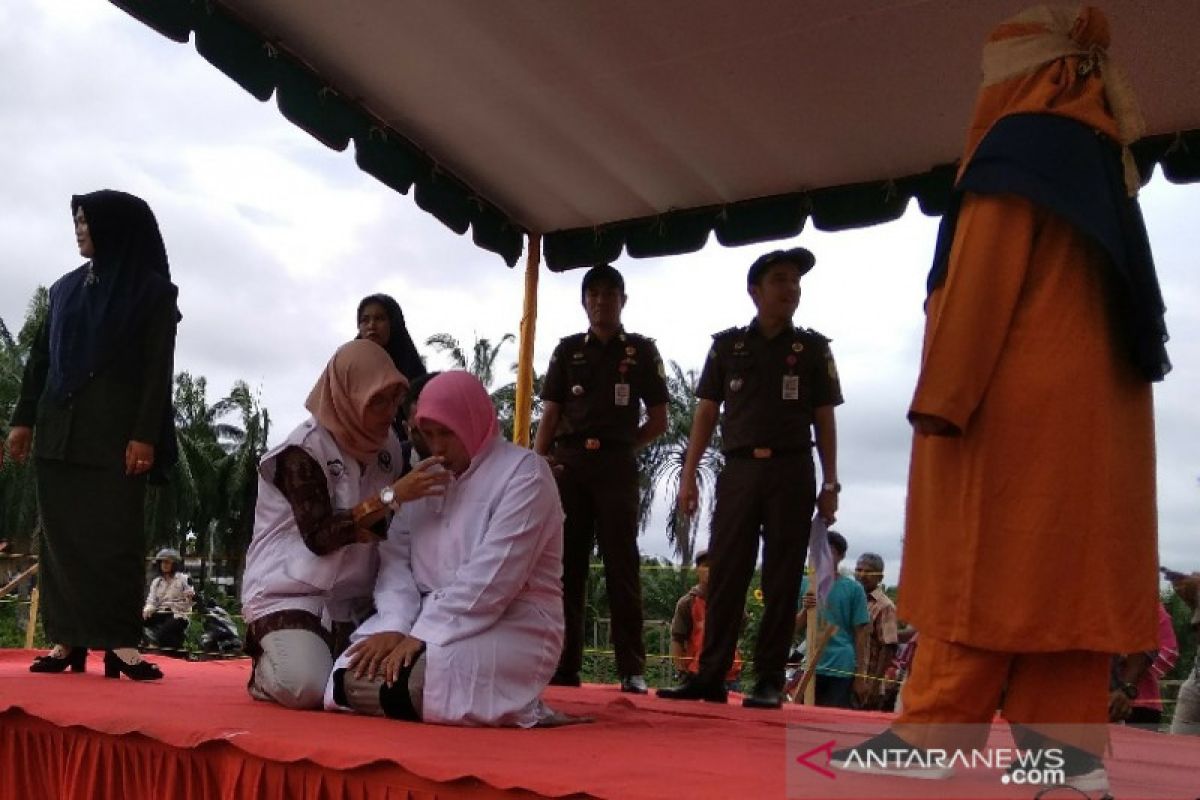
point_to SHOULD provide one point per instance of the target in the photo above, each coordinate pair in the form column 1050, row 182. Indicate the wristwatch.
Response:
column 834, row 487
column 387, row 496
column 1129, row 690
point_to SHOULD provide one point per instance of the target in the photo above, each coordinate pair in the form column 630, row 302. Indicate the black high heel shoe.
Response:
column 76, row 659
column 114, row 667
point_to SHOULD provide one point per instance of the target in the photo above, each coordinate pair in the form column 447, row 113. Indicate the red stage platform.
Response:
column 198, row 735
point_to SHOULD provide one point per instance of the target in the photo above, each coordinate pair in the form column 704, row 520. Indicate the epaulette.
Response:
column 573, row 336
column 816, row 335
column 728, row 332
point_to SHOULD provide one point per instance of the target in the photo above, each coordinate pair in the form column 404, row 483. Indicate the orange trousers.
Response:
column 1063, row 696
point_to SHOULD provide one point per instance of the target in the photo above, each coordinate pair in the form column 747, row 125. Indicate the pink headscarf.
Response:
column 460, row 402
column 358, row 371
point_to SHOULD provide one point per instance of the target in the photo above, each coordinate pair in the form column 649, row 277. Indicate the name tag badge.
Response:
column 791, row 387
column 621, row 394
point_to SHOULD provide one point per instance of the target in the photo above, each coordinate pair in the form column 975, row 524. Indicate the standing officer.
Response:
column 778, row 383
column 591, row 396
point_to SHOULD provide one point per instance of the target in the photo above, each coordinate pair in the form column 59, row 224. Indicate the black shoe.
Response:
column 693, row 689
column 76, row 659
column 888, row 754
column 634, row 684
column 565, row 679
column 114, row 667
column 764, row 696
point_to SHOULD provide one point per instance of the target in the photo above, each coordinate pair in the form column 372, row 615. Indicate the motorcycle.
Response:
column 220, row 631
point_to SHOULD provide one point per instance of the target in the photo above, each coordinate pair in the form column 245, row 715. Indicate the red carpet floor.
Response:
column 197, row 734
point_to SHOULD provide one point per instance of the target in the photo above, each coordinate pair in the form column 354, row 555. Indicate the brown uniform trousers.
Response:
column 774, row 496
column 599, row 492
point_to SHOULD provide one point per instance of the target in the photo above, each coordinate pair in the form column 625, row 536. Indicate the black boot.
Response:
column 693, row 689
column 765, row 695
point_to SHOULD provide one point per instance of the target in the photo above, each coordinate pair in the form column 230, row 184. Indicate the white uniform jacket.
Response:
column 281, row 572
column 477, row 576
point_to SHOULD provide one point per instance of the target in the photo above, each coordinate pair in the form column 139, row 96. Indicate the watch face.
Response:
column 387, row 494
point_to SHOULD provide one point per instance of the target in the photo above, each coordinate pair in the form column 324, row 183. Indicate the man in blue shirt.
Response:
column 844, row 656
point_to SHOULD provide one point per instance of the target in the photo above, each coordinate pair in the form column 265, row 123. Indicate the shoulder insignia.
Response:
column 574, row 337
column 734, row 331
column 815, row 334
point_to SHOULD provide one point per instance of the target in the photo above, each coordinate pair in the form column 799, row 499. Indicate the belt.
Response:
column 766, row 452
column 591, row 443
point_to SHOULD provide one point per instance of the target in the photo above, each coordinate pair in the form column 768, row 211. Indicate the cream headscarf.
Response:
column 1055, row 61
column 358, row 371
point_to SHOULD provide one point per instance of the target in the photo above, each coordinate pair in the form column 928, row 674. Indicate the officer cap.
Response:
column 603, row 273
column 799, row 256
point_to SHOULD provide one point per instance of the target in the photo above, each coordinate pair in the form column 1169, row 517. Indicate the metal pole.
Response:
column 523, row 413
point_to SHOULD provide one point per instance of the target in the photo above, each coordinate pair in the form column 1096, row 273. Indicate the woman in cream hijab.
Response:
column 325, row 497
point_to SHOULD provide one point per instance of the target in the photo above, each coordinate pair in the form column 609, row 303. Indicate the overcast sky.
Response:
column 273, row 239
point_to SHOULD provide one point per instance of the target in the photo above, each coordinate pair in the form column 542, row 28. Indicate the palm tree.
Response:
column 483, row 354
column 505, row 400
column 214, row 486
column 18, row 493
column 243, row 447
column 660, row 464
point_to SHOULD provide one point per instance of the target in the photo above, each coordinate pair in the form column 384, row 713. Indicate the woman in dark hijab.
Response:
column 381, row 320
column 97, row 387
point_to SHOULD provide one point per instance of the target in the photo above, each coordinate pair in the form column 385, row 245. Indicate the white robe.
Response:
column 477, row 576
column 281, row 572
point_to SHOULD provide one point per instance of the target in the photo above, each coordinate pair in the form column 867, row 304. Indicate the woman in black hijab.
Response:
column 97, row 387
column 380, row 319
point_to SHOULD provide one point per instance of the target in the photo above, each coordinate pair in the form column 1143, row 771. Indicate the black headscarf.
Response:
column 399, row 344
column 1065, row 166
column 96, row 310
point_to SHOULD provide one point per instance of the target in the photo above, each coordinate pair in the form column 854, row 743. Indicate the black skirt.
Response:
column 92, row 550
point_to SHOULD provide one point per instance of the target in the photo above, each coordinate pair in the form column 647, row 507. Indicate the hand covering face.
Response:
column 460, row 402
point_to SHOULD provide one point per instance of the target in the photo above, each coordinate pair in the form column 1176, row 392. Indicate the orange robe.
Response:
column 1035, row 530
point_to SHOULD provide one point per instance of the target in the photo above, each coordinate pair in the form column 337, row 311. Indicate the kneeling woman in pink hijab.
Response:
column 469, row 597
column 324, row 499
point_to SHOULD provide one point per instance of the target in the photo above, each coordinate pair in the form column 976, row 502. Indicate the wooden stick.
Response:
column 8, row 587
column 807, row 687
column 31, row 626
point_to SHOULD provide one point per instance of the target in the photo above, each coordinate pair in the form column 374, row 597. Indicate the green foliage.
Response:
column 208, row 507
column 18, row 494
column 662, row 585
column 660, row 465
column 1181, row 617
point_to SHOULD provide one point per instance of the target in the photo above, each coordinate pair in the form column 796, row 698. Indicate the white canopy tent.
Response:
column 595, row 128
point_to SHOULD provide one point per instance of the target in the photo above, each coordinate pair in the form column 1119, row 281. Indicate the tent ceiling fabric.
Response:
column 648, row 127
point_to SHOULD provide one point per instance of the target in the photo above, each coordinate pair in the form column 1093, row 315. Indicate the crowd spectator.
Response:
column 687, row 628
column 842, row 663
column 882, row 644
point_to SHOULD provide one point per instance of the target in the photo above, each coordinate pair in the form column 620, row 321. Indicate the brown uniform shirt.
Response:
column 599, row 386
column 769, row 386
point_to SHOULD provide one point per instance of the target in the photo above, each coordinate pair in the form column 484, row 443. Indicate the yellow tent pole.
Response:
column 522, row 416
